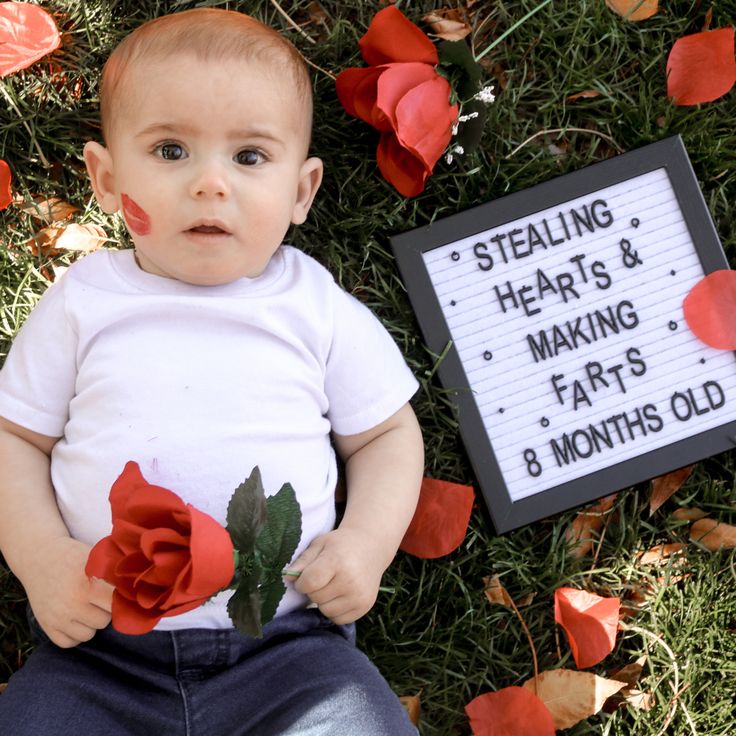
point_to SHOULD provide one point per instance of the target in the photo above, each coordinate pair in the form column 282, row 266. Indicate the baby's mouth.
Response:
column 208, row 229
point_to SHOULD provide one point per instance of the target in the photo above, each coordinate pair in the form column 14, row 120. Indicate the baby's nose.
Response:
column 210, row 181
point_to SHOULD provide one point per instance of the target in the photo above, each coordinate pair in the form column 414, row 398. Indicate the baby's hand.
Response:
column 340, row 572
column 69, row 606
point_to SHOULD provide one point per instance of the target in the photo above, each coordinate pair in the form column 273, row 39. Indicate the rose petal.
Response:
column 512, row 710
column 391, row 36
column 6, row 196
column 400, row 166
column 590, row 622
column 357, row 92
column 27, row 33
column 102, row 559
column 701, row 67
column 710, row 310
column 398, row 80
column 213, row 562
column 424, row 119
column 441, row 519
column 129, row 618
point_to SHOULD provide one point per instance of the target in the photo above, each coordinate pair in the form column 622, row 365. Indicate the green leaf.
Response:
column 244, row 607
column 458, row 54
column 246, row 513
column 272, row 591
column 469, row 132
column 279, row 537
column 276, row 545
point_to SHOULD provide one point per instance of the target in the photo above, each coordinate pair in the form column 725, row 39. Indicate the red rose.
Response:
column 403, row 97
column 164, row 557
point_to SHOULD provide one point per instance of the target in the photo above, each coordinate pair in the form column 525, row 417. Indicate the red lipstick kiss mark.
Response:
column 138, row 221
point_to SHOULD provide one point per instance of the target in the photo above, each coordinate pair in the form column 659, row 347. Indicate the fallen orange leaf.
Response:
column 496, row 593
column 660, row 554
column 55, row 239
column 27, row 33
column 441, row 519
column 413, row 707
column 571, row 696
column 688, row 514
column 709, row 309
column 634, row 9
column 6, row 196
column 512, row 711
column 447, row 24
column 713, row 534
column 581, row 534
column 49, row 210
column 590, row 622
column 701, row 67
column 585, row 94
column 666, row 485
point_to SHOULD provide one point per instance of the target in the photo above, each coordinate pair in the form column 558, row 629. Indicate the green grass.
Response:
column 436, row 633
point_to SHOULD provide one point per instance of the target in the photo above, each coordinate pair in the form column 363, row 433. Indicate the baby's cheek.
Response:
column 138, row 220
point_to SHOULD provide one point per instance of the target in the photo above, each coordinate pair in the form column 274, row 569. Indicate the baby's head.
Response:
column 206, row 117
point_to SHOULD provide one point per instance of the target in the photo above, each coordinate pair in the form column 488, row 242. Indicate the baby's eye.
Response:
column 171, row 151
column 248, row 157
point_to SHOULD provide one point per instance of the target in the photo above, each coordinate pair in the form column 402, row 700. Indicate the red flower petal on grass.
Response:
column 701, row 67
column 513, row 711
column 27, row 33
column 391, row 36
column 400, row 167
column 590, row 622
column 441, row 519
column 6, row 196
column 710, row 310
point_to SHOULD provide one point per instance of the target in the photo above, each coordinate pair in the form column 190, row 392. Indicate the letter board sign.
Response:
column 558, row 314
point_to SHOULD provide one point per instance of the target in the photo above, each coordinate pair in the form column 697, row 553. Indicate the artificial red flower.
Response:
column 6, row 196
column 27, row 33
column 441, row 519
column 590, row 622
column 710, row 309
column 164, row 557
column 701, row 67
column 403, row 96
column 512, row 710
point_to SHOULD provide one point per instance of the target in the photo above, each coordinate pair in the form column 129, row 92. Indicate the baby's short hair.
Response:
column 209, row 34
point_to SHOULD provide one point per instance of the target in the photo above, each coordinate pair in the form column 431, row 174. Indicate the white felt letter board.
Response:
column 570, row 362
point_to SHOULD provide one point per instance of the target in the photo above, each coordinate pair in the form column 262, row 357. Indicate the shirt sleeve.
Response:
column 367, row 379
column 38, row 377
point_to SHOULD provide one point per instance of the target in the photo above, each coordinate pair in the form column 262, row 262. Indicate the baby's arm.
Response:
column 341, row 571
column 36, row 543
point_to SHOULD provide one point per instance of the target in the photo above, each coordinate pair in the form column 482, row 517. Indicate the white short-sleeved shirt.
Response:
column 198, row 385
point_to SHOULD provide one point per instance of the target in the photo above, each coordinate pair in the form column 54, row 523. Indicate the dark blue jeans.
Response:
column 305, row 677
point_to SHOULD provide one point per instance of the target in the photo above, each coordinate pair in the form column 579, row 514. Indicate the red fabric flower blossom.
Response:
column 164, row 557
column 6, row 195
column 403, row 97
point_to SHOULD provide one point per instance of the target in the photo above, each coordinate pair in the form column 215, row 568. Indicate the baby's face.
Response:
column 209, row 166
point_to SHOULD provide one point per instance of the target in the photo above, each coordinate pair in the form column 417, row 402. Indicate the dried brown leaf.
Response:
column 496, row 593
column 447, row 24
column 660, row 554
column 713, row 534
column 413, row 707
column 317, row 13
column 572, row 696
column 688, row 514
column 48, row 210
column 634, row 9
column 664, row 486
column 584, row 95
column 582, row 532
column 630, row 673
column 56, row 239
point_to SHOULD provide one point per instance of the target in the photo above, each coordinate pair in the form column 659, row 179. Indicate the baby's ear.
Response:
column 310, row 177
column 99, row 167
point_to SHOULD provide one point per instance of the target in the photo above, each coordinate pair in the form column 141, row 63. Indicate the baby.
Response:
column 207, row 350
